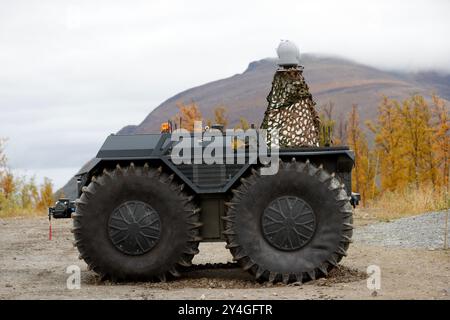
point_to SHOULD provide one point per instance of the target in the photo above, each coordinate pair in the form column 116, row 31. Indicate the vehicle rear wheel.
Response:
column 136, row 223
column 292, row 226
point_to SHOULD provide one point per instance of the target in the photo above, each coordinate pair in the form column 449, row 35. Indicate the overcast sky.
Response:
column 71, row 72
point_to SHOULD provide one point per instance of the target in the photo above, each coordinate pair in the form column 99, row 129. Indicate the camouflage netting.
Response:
column 291, row 110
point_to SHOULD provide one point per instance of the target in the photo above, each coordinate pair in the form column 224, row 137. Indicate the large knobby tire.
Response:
column 295, row 225
column 136, row 224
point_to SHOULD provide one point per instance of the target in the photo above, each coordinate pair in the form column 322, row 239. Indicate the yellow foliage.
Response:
column 187, row 115
column 20, row 196
column 388, row 145
column 45, row 195
column 7, row 184
column 243, row 124
column 327, row 126
column 416, row 135
column 412, row 144
column 363, row 177
column 441, row 143
column 220, row 116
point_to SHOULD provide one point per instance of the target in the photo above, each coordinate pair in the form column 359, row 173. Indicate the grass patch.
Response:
column 13, row 213
column 408, row 202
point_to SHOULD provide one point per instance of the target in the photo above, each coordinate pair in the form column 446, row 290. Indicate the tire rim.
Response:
column 288, row 223
column 134, row 227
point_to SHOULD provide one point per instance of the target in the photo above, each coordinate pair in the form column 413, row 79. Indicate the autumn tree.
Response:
column 243, row 124
column 412, row 142
column 341, row 130
column 4, row 175
column 417, row 141
column 388, row 145
column 364, row 173
column 29, row 194
column 187, row 115
column 326, row 125
column 7, row 184
column 441, row 142
column 19, row 195
column 220, row 116
column 8, row 190
column 45, row 195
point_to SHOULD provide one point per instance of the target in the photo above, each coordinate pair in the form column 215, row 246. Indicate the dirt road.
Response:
column 31, row 267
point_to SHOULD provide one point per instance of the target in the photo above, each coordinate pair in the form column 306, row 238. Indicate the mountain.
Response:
column 334, row 79
column 338, row 80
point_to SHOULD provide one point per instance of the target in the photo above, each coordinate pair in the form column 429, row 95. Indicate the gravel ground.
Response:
column 422, row 231
column 32, row 267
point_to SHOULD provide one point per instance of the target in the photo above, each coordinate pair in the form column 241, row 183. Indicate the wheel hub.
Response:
column 288, row 223
column 134, row 227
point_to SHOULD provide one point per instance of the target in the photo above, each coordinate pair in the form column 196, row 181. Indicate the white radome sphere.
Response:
column 288, row 54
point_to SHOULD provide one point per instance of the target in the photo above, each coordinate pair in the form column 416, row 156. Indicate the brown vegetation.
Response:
column 20, row 196
column 406, row 170
column 189, row 113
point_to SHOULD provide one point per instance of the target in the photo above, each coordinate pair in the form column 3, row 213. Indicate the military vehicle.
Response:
column 140, row 215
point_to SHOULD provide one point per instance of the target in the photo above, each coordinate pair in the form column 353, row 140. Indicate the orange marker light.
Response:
column 165, row 127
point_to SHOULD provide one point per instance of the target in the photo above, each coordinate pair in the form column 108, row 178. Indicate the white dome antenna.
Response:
column 288, row 54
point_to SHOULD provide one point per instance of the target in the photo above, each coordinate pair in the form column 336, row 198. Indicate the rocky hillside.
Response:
column 330, row 79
